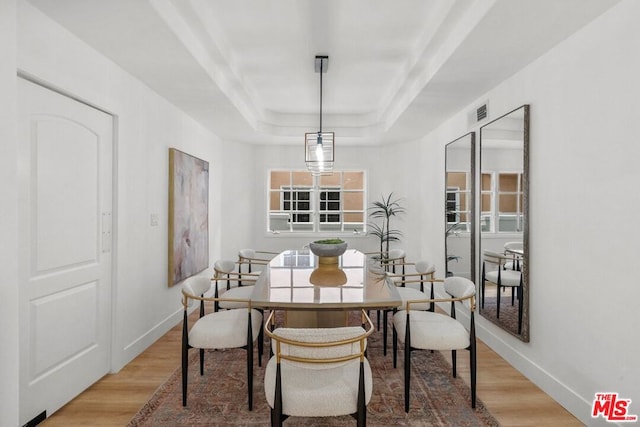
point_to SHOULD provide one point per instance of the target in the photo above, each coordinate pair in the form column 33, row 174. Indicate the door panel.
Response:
column 65, row 188
column 67, row 337
column 65, row 294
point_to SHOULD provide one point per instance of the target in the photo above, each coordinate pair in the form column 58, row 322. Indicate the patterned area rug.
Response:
column 219, row 397
column 508, row 313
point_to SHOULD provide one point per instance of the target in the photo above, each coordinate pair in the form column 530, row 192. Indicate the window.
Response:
column 297, row 200
column 301, row 202
column 502, row 201
column 329, row 202
column 452, row 204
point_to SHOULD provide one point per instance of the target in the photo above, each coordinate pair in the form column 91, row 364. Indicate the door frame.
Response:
column 112, row 286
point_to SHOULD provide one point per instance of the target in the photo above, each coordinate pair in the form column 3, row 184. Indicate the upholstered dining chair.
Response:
column 235, row 285
column 411, row 286
column 238, row 290
column 319, row 372
column 226, row 329
column 494, row 270
column 514, row 251
column 390, row 260
column 251, row 257
column 427, row 330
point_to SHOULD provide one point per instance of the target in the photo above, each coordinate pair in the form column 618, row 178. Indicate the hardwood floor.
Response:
column 115, row 399
column 510, row 397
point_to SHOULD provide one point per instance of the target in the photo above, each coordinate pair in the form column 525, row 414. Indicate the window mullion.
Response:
column 316, row 203
column 342, row 201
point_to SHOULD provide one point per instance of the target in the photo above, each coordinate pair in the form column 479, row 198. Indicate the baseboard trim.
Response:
column 140, row 344
column 37, row 419
column 500, row 342
column 505, row 345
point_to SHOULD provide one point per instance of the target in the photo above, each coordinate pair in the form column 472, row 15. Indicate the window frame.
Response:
column 324, row 201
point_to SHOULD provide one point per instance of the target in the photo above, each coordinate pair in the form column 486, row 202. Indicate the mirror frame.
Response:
column 471, row 203
column 524, row 335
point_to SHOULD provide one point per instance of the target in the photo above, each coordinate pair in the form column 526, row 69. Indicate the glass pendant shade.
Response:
column 319, row 152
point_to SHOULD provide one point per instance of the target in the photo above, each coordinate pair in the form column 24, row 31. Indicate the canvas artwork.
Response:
column 188, row 215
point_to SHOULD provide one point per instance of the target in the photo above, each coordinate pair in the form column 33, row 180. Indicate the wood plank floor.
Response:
column 116, row 398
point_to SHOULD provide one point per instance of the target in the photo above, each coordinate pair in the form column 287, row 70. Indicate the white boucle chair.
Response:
column 515, row 251
column 223, row 271
column 234, row 328
column 318, row 372
column 251, row 257
column 235, row 296
column 502, row 277
column 389, row 260
column 424, row 273
column 426, row 330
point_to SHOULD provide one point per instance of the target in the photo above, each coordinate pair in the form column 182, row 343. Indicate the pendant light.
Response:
column 319, row 146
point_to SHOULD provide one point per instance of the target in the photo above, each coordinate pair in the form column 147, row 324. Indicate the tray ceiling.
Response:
column 397, row 69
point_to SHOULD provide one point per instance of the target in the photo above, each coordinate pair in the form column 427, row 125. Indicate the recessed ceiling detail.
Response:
column 398, row 69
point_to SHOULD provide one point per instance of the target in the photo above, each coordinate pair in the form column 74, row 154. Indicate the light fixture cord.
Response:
column 321, row 71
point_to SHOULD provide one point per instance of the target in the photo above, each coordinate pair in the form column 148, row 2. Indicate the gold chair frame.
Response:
column 185, row 342
column 277, row 417
column 408, row 349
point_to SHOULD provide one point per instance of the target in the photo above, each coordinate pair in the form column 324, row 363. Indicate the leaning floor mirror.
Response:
column 459, row 206
column 504, row 237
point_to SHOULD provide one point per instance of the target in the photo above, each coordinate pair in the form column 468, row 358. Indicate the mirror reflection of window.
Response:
column 296, row 259
column 486, row 202
column 458, row 196
column 452, row 205
column 510, row 199
column 501, row 201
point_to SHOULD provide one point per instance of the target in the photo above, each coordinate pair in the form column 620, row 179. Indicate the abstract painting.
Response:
column 188, row 215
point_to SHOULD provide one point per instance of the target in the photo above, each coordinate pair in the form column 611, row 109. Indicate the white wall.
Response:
column 238, row 187
column 8, row 218
column 147, row 125
column 404, row 173
column 584, row 175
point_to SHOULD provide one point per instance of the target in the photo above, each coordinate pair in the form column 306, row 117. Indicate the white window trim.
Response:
column 315, row 205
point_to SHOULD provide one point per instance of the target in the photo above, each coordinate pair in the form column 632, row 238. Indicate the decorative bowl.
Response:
column 328, row 248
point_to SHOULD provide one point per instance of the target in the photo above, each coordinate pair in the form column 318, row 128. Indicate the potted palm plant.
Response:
column 384, row 209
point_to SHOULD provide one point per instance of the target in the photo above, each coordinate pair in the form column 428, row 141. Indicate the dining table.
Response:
column 296, row 282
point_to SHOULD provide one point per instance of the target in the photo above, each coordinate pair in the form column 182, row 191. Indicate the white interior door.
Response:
column 65, row 163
